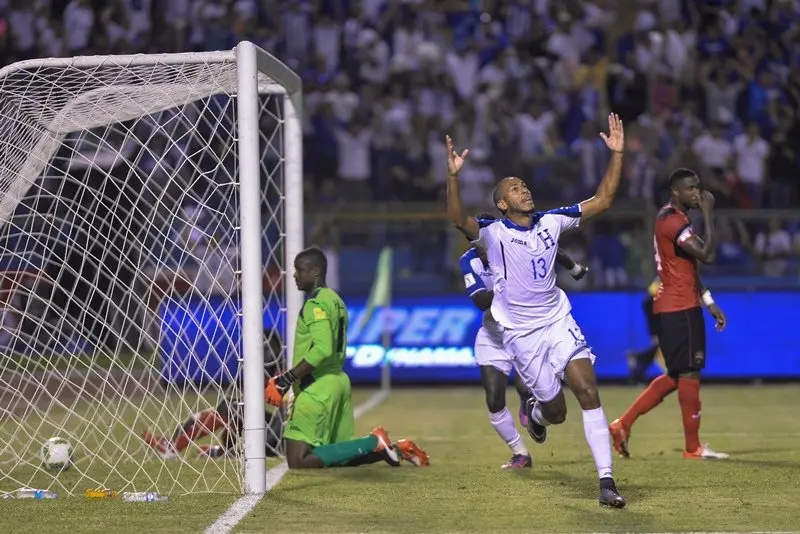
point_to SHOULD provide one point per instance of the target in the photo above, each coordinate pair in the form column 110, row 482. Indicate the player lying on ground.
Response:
column 640, row 361
column 490, row 355
column 681, row 325
column 226, row 417
column 540, row 333
column 320, row 429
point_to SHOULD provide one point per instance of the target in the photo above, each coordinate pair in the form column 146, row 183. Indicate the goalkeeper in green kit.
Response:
column 320, row 430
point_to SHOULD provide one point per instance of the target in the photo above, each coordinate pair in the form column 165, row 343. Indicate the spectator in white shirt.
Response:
column 570, row 40
column 406, row 41
column 139, row 20
column 50, row 37
column 328, row 42
column 78, row 24
column 463, row 65
column 751, row 154
column 355, row 160
column 343, row 101
column 477, row 179
column 774, row 247
column 296, row 28
column 534, row 130
column 374, row 55
column 22, row 26
column 713, row 150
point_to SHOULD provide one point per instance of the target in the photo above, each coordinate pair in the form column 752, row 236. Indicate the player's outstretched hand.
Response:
column 615, row 140
column 719, row 318
column 707, row 201
column 454, row 160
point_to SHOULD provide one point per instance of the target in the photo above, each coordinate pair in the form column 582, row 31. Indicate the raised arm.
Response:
column 702, row 249
column 455, row 209
column 607, row 190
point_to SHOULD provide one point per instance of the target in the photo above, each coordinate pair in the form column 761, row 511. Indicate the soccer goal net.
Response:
column 148, row 204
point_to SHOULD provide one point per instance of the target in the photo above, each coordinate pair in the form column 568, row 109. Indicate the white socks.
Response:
column 503, row 423
column 595, row 426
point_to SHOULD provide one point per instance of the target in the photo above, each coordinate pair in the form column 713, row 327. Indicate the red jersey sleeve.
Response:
column 677, row 228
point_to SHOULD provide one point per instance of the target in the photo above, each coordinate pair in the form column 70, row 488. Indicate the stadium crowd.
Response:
column 708, row 84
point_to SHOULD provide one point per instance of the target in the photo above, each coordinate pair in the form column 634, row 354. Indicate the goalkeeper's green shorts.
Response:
column 323, row 412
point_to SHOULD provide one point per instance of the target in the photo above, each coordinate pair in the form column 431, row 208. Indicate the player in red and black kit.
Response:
column 677, row 306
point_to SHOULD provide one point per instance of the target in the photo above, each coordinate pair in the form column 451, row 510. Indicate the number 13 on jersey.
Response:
column 539, row 268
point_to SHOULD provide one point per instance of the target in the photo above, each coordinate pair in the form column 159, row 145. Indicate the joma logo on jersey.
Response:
column 546, row 239
column 519, row 241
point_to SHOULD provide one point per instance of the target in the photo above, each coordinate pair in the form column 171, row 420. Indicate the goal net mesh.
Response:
column 120, row 306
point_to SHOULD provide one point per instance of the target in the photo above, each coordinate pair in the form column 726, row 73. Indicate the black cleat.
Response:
column 609, row 496
column 537, row 432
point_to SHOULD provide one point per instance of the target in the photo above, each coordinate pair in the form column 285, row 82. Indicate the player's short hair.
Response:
column 680, row 174
column 497, row 192
column 315, row 257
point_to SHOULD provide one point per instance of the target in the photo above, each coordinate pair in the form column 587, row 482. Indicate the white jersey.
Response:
column 523, row 267
column 478, row 277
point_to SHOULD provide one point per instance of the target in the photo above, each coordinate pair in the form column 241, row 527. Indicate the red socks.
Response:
column 689, row 399
column 201, row 425
column 649, row 399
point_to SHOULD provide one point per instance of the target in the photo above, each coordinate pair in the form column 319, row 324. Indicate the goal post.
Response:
column 151, row 207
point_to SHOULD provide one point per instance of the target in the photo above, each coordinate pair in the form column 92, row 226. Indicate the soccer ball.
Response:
column 56, row 454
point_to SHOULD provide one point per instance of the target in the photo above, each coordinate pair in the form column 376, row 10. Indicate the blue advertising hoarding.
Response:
column 431, row 338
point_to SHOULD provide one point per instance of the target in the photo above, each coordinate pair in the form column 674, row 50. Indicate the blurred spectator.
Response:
column 525, row 84
column 751, row 153
column 79, row 20
column 607, row 256
column 774, row 245
column 732, row 250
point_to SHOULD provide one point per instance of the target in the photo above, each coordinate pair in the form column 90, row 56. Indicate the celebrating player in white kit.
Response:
column 543, row 339
column 492, row 358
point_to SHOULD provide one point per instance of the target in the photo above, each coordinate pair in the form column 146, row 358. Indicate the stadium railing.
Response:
column 426, row 248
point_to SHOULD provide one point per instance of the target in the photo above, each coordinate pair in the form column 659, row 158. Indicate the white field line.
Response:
column 244, row 505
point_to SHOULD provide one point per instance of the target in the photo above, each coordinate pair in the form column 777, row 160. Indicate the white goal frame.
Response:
column 250, row 61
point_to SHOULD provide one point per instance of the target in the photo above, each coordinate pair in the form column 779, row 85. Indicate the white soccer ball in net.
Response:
column 56, row 454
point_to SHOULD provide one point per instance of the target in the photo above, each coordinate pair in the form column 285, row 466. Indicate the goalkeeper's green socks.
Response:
column 345, row 452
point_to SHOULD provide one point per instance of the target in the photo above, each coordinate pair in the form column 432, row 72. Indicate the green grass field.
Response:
column 465, row 491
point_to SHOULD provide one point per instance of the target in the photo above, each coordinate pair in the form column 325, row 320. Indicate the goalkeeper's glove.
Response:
column 278, row 386
column 578, row 271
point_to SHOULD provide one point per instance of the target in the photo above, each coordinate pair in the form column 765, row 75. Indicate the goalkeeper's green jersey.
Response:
column 321, row 334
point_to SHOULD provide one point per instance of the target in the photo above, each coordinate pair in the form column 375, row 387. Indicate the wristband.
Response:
column 707, row 299
column 576, row 269
column 285, row 380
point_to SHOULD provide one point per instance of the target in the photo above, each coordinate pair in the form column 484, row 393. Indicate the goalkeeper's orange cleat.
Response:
column 385, row 445
column 412, row 453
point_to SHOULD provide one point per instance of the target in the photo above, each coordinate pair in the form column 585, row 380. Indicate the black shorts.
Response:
column 652, row 321
column 682, row 338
